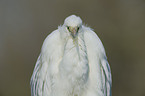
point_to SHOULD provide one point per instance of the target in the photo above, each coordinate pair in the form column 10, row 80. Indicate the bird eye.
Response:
column 78, row 28
column 68, row 28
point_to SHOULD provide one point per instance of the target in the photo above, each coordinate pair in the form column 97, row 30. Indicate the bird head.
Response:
column 73, row 24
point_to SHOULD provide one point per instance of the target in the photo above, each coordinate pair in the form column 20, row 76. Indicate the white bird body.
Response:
column 72, row 64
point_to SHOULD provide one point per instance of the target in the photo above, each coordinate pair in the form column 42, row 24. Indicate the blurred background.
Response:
column 120, row 24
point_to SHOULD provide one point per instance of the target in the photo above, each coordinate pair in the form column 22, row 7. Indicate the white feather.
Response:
column 70, row 66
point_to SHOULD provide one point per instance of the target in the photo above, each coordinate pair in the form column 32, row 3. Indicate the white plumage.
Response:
column 72, row 62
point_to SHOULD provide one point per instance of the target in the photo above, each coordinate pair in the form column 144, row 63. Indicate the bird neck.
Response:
column 76, row 46
column 74, row 56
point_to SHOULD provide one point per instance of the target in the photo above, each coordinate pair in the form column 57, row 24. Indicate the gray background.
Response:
column 120, row 24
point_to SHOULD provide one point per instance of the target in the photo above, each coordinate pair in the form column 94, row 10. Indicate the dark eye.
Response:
column 68, row 28
column 78, row 28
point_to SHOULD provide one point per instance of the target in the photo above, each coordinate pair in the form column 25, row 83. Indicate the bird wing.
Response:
column 46, row 66
column 100, row 73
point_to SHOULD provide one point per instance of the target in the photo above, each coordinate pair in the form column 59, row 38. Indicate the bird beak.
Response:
column 73, row 31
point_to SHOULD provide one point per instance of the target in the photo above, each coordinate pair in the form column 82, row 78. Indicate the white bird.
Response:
column 72, row 62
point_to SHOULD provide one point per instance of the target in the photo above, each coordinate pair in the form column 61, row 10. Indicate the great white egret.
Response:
column 72, row 62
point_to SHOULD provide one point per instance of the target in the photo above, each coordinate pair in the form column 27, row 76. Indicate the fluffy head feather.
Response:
column 72, row 25
column 73, row 21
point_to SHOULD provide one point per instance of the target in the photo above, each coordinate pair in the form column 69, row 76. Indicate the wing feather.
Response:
column 35, row 78
column 106, row 76
column 97, row 55
column 41, row 79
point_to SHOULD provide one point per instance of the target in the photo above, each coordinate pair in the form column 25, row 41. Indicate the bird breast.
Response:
column 74, row 65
